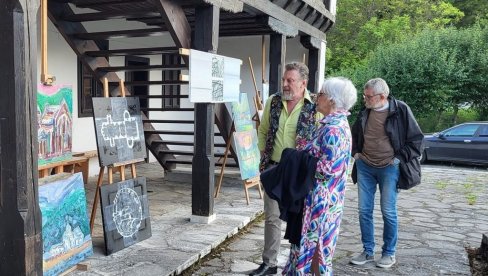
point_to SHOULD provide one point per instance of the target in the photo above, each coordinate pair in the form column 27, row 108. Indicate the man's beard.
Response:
column 374, row 106
column 287, row 95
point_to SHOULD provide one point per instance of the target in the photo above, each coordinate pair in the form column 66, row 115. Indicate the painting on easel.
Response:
column 65, row 229
column 242, row 114
column 125, row 213
column 119, row 130
column 54, row 120
column 247, row 151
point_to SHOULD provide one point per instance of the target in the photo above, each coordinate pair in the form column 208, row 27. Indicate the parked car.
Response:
column 464, row 143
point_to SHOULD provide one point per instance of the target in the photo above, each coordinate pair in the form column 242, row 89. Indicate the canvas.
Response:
column 65, row 226
column 246, row 147
column 214, row 78
column 241, row 114
column 125, row 214
column 119, row 130
column 55, row 122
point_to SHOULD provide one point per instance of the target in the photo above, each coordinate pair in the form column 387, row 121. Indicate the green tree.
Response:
column 476, row 12
column 362, row 25
column 434, row 71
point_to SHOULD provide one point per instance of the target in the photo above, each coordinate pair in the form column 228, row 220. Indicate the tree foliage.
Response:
column 362, row 25
column 476, row 12
column 433, row 71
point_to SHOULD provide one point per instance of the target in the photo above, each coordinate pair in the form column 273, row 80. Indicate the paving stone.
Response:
column 435, row 224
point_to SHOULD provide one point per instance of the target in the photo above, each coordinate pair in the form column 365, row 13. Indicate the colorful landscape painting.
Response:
column 55, row 122
column 242, row 114
column 65, row 227
column 246, row 147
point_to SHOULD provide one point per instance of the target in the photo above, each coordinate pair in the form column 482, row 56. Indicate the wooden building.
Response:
column 196, row 24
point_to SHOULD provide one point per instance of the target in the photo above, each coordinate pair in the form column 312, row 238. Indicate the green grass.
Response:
column 471, row 198
column 441, row 185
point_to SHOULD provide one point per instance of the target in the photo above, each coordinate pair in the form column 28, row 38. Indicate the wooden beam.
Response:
column 203, row 171
column 175, row 20
column 281, row 27
column 281, row 14
column 277, row 54
column 59, row 10
column 133, row 51
column 100, row 16
column 20, row 233
column 314, row 53
column 119, row 34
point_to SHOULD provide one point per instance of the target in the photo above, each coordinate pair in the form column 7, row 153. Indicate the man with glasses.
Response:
column 289, row 120
column 384, row 134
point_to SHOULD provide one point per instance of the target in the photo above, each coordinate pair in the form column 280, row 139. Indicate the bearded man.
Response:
column 289, row 120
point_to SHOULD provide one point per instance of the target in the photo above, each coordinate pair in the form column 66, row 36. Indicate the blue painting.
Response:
column 65, row 226
column 246, row 147
column 242, row 114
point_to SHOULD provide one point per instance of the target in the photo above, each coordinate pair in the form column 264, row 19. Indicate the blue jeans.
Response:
column 387, row 179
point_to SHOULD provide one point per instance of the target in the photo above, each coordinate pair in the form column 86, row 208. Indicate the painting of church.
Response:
column 54, row 123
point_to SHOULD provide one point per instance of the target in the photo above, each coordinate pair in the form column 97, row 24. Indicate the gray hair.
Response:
column 379, row 86
column 341, row 91
column 301, row 68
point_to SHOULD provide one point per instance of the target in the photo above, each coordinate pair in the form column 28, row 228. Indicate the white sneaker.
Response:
column 362, row 259
column 386, row 261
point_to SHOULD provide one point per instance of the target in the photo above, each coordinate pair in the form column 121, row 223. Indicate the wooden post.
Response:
column 206, row 36
column 277, row 53
column 314, row 54
column 20, row 233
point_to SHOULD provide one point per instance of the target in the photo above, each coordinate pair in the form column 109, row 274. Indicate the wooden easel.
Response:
column 257, row 98
column 248, row 183
column 46, row 79
column 117, row 166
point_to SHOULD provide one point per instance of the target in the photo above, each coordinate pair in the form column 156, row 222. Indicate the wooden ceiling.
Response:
column 257, row 17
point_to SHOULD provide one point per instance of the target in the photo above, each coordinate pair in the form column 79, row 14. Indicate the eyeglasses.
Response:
column 370, row 97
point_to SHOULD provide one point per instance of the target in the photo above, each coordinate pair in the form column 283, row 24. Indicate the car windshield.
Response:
column 464, row 131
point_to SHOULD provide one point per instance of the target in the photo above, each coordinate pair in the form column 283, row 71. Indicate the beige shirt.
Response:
column 377, row 149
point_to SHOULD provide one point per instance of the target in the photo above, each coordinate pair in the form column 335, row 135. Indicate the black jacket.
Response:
column 288, row 183
column 406, row 138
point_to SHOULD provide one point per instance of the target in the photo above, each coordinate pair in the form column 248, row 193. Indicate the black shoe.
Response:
column 264, row 269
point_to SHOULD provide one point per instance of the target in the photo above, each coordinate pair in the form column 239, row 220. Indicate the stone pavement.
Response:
column 176, row 243
column 447, row 211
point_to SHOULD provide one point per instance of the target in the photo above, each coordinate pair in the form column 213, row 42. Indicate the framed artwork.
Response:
column 125, row 213
column 54, row 122
column 65, row 226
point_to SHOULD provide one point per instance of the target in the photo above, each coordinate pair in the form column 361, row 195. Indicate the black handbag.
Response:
column 410, row 174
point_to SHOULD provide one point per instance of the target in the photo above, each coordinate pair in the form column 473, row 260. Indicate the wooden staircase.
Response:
column 168, row 129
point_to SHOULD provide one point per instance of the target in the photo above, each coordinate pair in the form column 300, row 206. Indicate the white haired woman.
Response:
column 323, row 206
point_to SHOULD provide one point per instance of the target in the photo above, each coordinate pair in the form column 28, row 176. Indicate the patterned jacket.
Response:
column 305, row 127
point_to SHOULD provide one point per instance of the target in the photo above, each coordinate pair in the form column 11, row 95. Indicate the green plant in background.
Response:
column 441, row 185
column 471, row 197
column 470, row 193
column 468, row 186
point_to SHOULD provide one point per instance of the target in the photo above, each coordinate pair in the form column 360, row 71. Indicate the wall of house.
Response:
column 62, row 63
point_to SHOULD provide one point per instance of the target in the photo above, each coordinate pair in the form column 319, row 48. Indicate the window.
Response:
column 484, row 131
column 88, row 86
column 462, row 131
